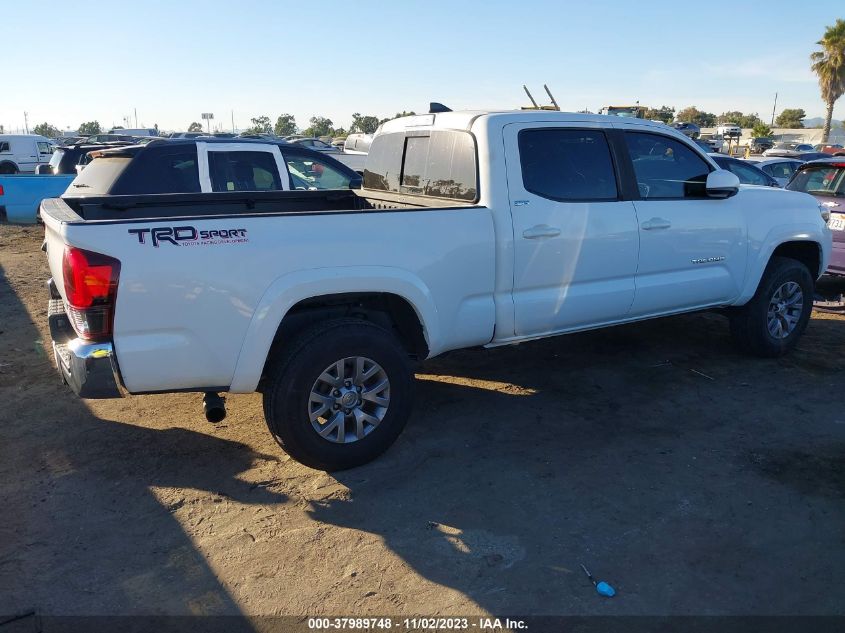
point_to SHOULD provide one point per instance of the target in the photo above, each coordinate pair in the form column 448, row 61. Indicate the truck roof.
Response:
column 464, row 119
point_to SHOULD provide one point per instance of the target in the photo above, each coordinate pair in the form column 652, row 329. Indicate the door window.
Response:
column 567, row 165
column 4, row 146
column 666, row 168
column 307, row 173
column 44, row 147
column 243, row 171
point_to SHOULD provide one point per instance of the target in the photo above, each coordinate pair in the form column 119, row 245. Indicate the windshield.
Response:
column 820, row 180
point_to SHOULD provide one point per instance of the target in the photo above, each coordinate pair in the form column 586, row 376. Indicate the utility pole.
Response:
column 233, row 121
column 773, row 109
column 136, row 118
column 26, row 121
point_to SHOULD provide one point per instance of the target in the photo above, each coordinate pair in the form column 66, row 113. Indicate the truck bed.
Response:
column 193, row 205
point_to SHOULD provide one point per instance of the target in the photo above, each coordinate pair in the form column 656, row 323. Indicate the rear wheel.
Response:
column 340, row 395
column 772, row 322
column 8, row 168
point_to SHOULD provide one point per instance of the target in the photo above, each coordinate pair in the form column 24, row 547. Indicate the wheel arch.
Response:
column 807, row 250
column 390, row 297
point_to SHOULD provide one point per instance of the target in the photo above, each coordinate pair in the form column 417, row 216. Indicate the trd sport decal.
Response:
column 188, row 236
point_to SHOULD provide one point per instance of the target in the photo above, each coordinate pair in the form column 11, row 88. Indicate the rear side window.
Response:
column 567, row 165
column 4, row 146
column 666, row 168
column 173, row 171
column 243, row 171
column 98, row 177
column 441, row 165
column 822, row 180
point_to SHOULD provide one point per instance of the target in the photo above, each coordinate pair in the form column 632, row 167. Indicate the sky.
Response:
column 69, row 62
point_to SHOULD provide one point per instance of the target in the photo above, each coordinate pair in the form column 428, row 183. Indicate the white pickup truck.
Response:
column 471, row 229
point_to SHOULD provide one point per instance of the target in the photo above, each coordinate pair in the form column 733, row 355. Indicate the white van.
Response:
column 22, row 153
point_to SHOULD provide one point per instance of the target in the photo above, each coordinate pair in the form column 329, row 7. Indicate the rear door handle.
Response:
column 540, row 231
column 656, row 223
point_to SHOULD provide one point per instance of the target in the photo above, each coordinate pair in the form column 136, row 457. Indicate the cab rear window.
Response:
column 439, row 164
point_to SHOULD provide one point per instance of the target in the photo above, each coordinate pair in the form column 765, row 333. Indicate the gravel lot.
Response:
column 695, row 480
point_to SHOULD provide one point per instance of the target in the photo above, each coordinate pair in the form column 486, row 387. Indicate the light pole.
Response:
column 26, row 121
column 773, row 109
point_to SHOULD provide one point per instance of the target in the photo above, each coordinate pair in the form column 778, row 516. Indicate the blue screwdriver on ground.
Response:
column 601, row 586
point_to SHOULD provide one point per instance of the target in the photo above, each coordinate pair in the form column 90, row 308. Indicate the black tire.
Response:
column 8, row 168
column 293, row 373
column 749, row 323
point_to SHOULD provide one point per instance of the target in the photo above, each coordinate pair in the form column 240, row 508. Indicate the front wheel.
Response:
column 340, row 395
column 772, row 322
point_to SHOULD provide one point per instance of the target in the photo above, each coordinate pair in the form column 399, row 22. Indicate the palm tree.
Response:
column 829, row 65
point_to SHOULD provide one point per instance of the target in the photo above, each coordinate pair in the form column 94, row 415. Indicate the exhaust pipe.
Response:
column 214, row 407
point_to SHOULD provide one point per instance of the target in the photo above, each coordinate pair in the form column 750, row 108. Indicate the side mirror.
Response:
column 79, row 169
column 356, row 183
column 722, row 184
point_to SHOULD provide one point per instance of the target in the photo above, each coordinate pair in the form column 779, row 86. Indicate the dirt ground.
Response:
column 692, row 478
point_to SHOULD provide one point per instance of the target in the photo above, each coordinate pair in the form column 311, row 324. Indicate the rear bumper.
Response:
column 89, row 369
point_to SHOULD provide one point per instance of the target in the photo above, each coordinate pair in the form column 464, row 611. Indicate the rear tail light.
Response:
column 90, row 281
column 2, row 193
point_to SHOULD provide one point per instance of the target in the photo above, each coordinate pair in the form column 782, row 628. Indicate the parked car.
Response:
column 315, row 144
column 687, row 129
column 808, row 156
column 262, row 136
column 825, row 180
column 834, row 149
column 760, row 144
column 22, row 153
column 704, row 145
column 715, row 142
column 141, row 131
column 747, row 172
column 186, row 134
column 788, row 149
column 323, row 300
column 63, row 141
column 172, row 166
column 781, row 169
column 729, row 130
column 108, row 138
